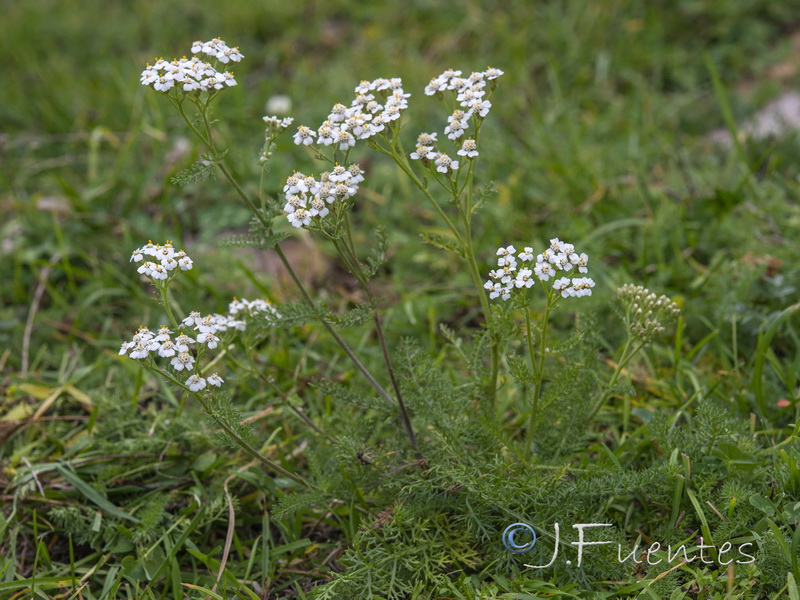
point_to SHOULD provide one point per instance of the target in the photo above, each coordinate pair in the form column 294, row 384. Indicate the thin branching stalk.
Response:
column 539, row 368
column 625, row 358
column 241, row 442
column 208, row 141
column 347, row 253
column 463, row 238
column 406, row 420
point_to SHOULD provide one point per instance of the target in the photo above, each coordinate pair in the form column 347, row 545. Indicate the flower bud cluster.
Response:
column 307, row 197
column 470, row 93
column 376, row 104
column 193, row 74
column 646, row 314
column 558, row 257
column 275, row 126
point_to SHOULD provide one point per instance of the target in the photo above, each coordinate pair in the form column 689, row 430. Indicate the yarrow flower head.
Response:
column 308, row 198
column 473, row 106
column 375, row 106
column 559, row 257
column 166, row 262
column 646, row 315
column 193, row 74
column 183, row 345
column 469, row 148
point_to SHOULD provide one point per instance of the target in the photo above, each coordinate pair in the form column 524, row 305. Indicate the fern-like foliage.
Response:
column 254, row 240
column 484, row 194
column 202, row 169
column 378, row 256
column 222, row 413
column 439, row 241
column 351, row 317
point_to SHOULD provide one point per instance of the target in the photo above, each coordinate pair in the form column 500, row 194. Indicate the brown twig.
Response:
column 44, row 273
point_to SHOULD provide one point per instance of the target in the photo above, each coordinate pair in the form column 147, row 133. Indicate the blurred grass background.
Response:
column 601, row 103
column 598, row 135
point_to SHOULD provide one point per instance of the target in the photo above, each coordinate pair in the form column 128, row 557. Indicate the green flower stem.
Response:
column 364, row 371
column 162, row 289
column 476, row 278
column 355, row 268
column 465, row 242
column 404, row 418
column 243, row 195
column 397, row 154
column 236, row 437
column 350, row 237
column 538, row 368
column 625, row 358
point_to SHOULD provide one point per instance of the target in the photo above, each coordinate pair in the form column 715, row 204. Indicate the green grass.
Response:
column 112, row 485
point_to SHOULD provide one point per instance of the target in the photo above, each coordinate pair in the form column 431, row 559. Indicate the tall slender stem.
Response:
column 465, row 242
column 625, row 358
column 236, row 437
column 364, row 371
column 347, row 253
column 539, row 368
column 404, row 418
column 208, row 141
column 165, row 301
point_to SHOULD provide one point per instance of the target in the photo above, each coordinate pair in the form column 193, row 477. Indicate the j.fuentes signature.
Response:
column 653, row 554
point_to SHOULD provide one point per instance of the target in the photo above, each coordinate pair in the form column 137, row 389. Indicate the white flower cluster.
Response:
column 218, row 49
column 252, row 307
column 165, row 344
column 145, row 342
column 204, row 332
column 364, row 118
column 193, row 74
column 166, row 264
column 306, row 197
column 470, row 94
column 559, row 257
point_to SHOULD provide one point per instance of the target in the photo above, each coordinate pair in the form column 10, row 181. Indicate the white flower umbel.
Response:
column 376, row 106
column 180, row 348
column 508, row 282
column 559, row 257
column 193, row 75
column 309, row 201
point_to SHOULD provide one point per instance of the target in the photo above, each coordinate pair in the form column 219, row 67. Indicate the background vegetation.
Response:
column 599, row 135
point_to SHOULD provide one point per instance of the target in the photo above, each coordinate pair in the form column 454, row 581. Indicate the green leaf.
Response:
column 441, row 242
column 352, row 317
column 202, row 169
column 93, row 495
column 132, row 569
column 762, row 504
